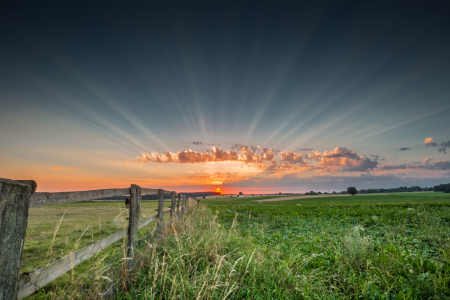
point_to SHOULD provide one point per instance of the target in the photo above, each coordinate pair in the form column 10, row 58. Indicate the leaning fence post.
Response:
column 14, row 204
column 135, row 211
column 159, row 219
column 178, row 204
column 172, row 206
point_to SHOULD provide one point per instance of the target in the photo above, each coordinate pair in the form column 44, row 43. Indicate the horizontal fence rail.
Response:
column 17, row 196
column 35, row 280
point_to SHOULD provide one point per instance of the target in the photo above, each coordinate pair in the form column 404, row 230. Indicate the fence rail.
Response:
column 15, row 199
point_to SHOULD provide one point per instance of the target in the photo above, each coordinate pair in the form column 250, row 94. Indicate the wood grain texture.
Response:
column 14, row 204
column 41, row 199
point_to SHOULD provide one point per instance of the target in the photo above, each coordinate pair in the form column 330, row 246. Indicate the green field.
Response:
column 377, row 246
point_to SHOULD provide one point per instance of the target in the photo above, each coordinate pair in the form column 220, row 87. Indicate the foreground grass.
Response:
column 393, row 249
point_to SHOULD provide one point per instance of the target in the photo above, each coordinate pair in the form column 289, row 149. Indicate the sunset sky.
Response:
column 252, row 96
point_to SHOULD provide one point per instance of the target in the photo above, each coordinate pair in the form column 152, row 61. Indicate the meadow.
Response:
column 382, row 246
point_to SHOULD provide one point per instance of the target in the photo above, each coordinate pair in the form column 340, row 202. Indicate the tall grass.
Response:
column 197, row 258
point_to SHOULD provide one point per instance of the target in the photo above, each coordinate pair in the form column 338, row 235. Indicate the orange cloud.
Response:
column 429, row 142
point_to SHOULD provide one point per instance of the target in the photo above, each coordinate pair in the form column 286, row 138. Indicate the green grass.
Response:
column 384, row 246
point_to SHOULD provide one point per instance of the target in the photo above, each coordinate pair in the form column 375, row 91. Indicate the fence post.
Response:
column 135, row 211
column 159, row 219
column 178, row 204
column 172, row 206
column 14, row 204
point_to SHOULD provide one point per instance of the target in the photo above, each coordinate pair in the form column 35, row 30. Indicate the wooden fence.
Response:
column 15, row 199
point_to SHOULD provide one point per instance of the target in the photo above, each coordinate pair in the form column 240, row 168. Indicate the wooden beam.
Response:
column 135, row 212
column 41, row 199
column 14, row 203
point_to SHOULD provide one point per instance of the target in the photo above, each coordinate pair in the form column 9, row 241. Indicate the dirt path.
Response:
column 298, row 198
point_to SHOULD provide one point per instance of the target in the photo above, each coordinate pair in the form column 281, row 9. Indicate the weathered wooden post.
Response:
column 14, row 204
column 159, row 219
column 172, row 206
column 135, row 212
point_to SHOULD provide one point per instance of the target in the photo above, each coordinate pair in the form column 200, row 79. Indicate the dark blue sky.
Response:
column 123, row 79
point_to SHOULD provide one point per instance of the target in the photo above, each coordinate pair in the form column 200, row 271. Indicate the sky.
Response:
column 251, row 96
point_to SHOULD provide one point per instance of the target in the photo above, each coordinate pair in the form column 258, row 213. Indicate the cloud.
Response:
column 197, row 143
column 295, row 158
column 403, row 149
column 444, row 146
column 346, row 158
column 262, row 158
column 438, row 165
column 429, row 142
column 244, row 154
column 305, row 149
column 332, row 182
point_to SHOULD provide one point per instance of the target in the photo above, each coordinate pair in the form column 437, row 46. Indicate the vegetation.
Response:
column 352, row 190
column 393, row 246
column 55, row 231
column 404, row 189
column 377, row 246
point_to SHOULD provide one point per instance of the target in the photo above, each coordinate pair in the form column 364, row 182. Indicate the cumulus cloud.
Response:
column 403, row 149
column 295, row 158
column 429, row 142
column 215, row 154
column 262, row 158
column 347, row 159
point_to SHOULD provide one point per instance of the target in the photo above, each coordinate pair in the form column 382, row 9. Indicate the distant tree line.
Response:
column 437, row 188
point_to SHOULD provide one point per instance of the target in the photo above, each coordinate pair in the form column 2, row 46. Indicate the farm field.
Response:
column 374, row 245
column 76, row 225
column 379, row 246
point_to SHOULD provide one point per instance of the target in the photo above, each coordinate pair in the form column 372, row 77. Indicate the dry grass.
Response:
column 55, row 231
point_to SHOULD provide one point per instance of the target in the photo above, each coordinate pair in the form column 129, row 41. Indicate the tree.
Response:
column 241, row 193
column 352, row 190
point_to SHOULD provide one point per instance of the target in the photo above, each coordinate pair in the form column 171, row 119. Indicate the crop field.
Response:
column 374, row 246
column 379, row 246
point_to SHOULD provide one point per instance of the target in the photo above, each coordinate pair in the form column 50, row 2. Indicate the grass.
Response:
column 382, row 246
column 55, row 231
column 385, row 246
